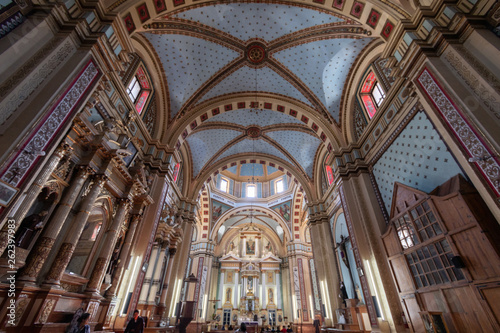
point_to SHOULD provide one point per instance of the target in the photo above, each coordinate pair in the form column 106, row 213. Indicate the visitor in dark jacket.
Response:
column 136, row 324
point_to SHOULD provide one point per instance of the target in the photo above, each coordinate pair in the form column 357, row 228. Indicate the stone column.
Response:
column 326, row 261
column 222, row 295
column 124, row 253
column 236, row 296
column 73, row 235
column 287, row 294
column 148, row 278
column 166, row 277
column 38, row 256
column 110, row 239
column 278, row 290
column 258, row 287
column 155, row 280
column 365, row 223
column 244, row 248
column 31, row 194
column 181, row 260
column 264, row 291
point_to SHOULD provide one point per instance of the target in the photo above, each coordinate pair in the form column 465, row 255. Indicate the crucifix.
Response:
column 342, row 251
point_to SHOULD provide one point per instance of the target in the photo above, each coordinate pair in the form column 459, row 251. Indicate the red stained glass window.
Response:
column 329, row 174
column 139, row 89
column 369, row 106
column 372, row 94
column 176, row 171
column 369, row 82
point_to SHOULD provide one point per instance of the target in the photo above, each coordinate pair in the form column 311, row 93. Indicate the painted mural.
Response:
column 218, row 208
column 250, row 246
column 284, row 210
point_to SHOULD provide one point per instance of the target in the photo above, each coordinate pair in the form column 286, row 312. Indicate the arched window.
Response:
column 224, row 185
column 139, row 89
column 251, row 191
column 280, row 186
column 372, row 94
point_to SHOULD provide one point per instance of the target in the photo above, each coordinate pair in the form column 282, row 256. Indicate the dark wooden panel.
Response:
column 492, row 297
column 391, row 243
column 413, row 310
column 477, row 253
column 403, row 278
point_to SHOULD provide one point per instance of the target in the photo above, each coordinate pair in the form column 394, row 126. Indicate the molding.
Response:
column 472, row 143
column 19, row 165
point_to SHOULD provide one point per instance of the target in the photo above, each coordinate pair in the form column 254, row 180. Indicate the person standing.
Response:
column 81, row 325
column 243, row 328
column 136, row 324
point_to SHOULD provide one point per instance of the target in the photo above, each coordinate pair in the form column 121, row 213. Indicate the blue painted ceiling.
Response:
column 264, row 21
column 262, row 118
column 203, row 51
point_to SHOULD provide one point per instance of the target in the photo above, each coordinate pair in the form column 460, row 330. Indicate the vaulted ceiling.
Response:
column 293, row 52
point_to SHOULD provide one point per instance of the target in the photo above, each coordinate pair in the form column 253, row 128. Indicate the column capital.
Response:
column 124, row 202
column 84, row 171
column 100, row 179
column 63, row 149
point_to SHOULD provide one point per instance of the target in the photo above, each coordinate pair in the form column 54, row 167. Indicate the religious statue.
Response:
column 250, row 283
column 271, row 296
column 29, row 228
column 231, row 246
column 228, row 295
column 358, row 294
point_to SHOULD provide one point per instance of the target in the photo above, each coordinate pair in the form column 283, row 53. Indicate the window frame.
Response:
column 143, row 96
column 369, row 102
column 279, row 180
column 248, row 186
column 410, row 232
column 224, row 179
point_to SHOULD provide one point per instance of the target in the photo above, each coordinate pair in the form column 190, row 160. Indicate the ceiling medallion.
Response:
column 256, row 53
column 253, row 132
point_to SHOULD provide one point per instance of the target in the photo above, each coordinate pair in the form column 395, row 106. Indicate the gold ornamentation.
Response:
column 21, row 305
column 21, row 163
column 46, row 310
column 97, row 274
column 61, row 262
column 37, row 258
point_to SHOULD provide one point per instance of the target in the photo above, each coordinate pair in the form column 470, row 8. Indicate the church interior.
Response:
column 318, row 165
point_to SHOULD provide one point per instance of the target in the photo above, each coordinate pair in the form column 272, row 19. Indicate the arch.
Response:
column 347, row 107
column 92, row 236
column 157, row 75
column 196, row 186
column 230, row 235
column 231, row 212
column 206, row 110
column 395, row 10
